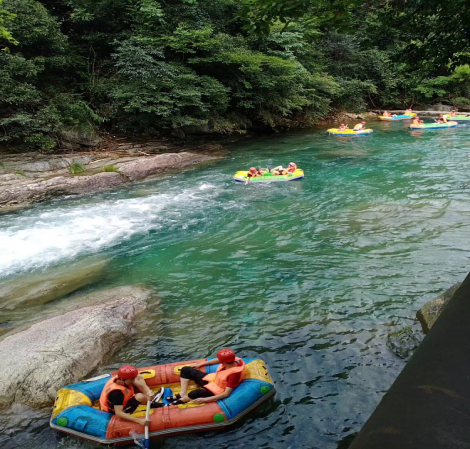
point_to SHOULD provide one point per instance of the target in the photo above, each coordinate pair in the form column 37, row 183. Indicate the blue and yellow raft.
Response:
column 397, row 117
column 242, row 176
column 76, row 410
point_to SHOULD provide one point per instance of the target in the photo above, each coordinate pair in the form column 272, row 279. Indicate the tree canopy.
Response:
column 148, row 67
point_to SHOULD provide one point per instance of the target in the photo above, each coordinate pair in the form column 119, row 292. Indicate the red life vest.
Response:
column 110, row 386
column 218, row 380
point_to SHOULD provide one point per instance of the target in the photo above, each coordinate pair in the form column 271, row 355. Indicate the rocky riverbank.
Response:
column 34, row 177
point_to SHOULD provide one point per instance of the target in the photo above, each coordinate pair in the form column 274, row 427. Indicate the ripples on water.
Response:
column 311, row 275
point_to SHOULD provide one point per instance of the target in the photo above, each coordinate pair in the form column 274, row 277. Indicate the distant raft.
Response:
column 77, row 412
column 397, row 117
column 434, row 125
column 242, row 176
column 349, row 132
column 458, row 118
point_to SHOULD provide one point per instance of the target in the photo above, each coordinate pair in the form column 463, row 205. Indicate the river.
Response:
column 310, row 276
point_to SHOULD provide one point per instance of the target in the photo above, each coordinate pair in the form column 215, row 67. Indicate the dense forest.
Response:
column 152, row 67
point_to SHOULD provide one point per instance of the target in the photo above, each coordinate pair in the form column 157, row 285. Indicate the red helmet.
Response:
column 226, row 356
column 252, row 169
column 127, row 372
column 363, row 123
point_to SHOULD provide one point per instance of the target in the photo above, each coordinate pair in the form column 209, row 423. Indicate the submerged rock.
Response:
column 44, row 287
column 429, row 313
column 404, row 341
column 39, row 360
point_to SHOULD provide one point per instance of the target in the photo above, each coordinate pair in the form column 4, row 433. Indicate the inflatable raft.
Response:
column 434, row 125
column 397, row 117
column 458, row 118
column 76, row 410
column 349, row 132
column 242, row 176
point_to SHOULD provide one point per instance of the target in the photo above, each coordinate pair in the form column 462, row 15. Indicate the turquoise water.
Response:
column 310, row 276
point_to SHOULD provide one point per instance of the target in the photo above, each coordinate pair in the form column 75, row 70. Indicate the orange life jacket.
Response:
column 111, row 386
column 218, row 380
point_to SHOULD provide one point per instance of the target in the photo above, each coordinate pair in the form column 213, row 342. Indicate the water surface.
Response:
column 310, row 276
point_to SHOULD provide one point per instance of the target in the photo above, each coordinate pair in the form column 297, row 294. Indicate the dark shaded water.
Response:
column 311, row 276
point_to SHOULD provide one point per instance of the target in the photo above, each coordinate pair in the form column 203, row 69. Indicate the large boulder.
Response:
column 429, row 313
column 152, row 165
column 41, row 288
column 39, row 360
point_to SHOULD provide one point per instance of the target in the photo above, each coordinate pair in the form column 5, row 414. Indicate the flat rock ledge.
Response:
column 38, row 361
column 19, row 190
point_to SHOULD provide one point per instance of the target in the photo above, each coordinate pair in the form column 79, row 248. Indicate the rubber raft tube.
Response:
column 397, row 117
column 458, row 118
column 76, row 409
column 242, row 176
column 349, row 132
column 428, row 405
column 434, row 125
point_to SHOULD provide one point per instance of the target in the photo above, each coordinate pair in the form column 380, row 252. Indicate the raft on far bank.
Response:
column 434, row 125
column 349, row 132
column 76, row 410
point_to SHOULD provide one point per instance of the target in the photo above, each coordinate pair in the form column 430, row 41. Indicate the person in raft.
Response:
column 360, row 126
column 442, row 119
column 386, row 114
column 119, row 394
column 342, row 127
column 409, row 111
column 416, row 121
column 452, row 113
column 253, row 172
column 292, row 167
column 215, row 386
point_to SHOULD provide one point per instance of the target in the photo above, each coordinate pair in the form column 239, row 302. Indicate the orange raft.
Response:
column 76, row 409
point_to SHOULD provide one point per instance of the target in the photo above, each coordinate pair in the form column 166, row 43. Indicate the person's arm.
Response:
column 121, row 414
column 139, row 382
column 207, row 362
column 225, row 394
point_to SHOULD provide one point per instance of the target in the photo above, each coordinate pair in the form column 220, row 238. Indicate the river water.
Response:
column 310, row 276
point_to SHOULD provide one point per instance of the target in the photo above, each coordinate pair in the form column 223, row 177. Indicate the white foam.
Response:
column 45, row 236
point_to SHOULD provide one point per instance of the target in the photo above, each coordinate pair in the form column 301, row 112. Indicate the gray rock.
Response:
column 178, row 133
column 429, row 313
column 36, row 362
column 87, row 139
column 196, row 129
column 148, row 166
column 38, row 191
column 37, row 289
column 439, row 107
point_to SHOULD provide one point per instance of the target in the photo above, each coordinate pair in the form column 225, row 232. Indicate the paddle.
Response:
column 147, row 415
column 145, row 443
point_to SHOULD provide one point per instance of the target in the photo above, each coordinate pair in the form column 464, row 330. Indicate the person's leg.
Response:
column 187, row 374
column 200, row 393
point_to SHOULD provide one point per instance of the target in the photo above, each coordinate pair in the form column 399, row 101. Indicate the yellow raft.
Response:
column 349, row 132
column 242, row 176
